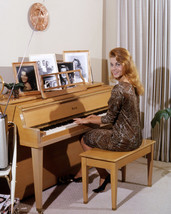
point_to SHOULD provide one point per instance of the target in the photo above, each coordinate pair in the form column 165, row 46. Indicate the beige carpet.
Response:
column 133, row 196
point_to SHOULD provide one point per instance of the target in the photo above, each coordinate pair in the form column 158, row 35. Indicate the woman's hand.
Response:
column 81, row 120
column 90, row 119
column 92, row 116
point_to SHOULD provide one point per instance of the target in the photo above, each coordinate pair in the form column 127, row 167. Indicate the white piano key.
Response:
column 61, row 128
column 64, row 127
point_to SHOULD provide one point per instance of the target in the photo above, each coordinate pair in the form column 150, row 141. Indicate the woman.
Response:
column 28, row 78
column 24, row 79
column 123, row 113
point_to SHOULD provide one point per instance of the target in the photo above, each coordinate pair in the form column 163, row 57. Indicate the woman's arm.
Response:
column 90, row 119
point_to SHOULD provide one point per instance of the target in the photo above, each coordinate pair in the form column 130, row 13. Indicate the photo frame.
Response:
column 28, row 75
column 62, row 68
column 46, row 63
column 81, row 61
column 50, row 81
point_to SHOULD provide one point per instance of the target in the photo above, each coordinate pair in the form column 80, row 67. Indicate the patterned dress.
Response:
column 124, row 115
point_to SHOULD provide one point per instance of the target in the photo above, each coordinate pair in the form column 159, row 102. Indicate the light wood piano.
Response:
column 44, row 123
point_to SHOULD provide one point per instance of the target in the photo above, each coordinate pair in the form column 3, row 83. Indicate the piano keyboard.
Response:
column 67, row 125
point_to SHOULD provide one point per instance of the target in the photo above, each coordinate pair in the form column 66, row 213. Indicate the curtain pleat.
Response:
column 144, row 29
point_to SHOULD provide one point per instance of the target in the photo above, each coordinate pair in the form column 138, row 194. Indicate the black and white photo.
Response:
column 81, row 62
column 49, row 81
column 63, row 67
column 46, row 63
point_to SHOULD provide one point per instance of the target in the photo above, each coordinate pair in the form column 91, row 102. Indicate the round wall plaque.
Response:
column 39, row 17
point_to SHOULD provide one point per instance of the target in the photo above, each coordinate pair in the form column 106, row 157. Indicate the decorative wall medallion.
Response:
column 39, row 17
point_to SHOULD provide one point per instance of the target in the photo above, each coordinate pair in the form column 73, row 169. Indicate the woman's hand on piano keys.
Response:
column 90, row 119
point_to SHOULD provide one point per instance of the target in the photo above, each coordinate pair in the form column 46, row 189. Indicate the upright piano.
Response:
column 43, row 122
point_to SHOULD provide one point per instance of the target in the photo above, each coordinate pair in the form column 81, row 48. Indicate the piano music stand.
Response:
column 61, row 89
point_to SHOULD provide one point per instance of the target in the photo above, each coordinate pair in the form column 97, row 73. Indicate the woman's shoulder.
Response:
column 124, row 89
column 122, row 86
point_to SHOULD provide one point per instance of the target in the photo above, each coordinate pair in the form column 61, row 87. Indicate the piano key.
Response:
column 66, row 125
column 61, row 128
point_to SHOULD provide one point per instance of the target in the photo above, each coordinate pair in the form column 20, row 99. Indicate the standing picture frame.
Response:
column 49, row 81
column 62, row 68
column 81, row 61
column 46, row 63
column 28, row 75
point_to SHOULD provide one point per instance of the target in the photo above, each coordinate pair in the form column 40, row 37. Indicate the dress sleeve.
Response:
column 114, row 105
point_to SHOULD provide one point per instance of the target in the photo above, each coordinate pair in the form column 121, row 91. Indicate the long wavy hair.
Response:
column 130, row 71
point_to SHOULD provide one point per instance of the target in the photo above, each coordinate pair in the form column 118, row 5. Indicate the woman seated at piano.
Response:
column 123, row 113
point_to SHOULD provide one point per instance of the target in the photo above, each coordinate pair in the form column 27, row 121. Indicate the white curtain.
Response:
column 143, row 27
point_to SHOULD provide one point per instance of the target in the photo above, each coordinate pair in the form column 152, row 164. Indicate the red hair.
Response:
column 130, row 71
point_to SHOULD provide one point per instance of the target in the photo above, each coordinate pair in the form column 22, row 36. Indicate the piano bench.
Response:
column 113, row 161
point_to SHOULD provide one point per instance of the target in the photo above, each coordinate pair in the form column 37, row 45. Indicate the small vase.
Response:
column 16, row 93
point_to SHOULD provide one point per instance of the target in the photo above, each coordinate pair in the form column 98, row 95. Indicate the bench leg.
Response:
column 84, row 179
column 123, row 170
column 150, row 165
column 114, row 180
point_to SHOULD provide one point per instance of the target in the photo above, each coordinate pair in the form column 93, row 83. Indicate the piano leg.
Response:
column 37, row 160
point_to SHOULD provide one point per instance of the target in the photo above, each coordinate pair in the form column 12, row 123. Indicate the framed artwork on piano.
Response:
column 81, row 61
column 27, row 73
column 63, row 67
column 46, row 63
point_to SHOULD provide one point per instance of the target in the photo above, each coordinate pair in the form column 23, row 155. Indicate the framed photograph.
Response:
column 63, row 67
column 81, row 61
column 46, row 63
column 28, row 75
column 50, row 81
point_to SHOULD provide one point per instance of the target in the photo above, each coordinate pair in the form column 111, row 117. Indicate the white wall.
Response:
column 111, row 25
column 73, row 25
column 109, row 35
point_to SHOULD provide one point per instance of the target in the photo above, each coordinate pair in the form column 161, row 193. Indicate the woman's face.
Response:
column 116, row 68
column 24, row 78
